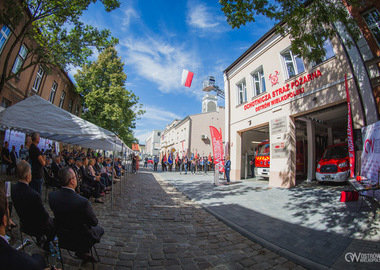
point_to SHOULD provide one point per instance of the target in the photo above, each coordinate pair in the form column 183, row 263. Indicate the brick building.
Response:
column 54, row 86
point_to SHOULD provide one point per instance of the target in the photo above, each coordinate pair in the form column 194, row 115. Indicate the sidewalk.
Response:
column 307, row 223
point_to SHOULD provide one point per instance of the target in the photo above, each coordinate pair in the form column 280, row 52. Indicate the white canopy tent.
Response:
column 37, row 114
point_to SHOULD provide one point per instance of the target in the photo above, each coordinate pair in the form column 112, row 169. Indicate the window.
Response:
column 329, row 52
column 158, row 133
column 5, row 33
column 258, row 82
column 293, row 64
column 5, row 103
column 52, row 92
column 38, row 80
column 241, row 92
column 71, row 106
column 77, row 110
column 372, row 18
column 62, row 100
column 20, row 59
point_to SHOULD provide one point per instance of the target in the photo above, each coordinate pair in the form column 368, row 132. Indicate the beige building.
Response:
column 192, row 134
column 298, row 106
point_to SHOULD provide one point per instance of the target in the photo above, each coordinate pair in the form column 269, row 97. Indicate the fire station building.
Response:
column 296, row 107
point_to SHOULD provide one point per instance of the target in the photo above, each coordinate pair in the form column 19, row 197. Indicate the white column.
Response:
column 245, row 165
column 227, row 104
column 329, row 136
column 310, row 150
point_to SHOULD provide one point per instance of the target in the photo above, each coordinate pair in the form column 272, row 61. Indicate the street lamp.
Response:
column 209, row 85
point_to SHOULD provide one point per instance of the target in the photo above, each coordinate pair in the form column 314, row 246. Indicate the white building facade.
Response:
column 298, row 106
column 192, row 134
column 152, row 143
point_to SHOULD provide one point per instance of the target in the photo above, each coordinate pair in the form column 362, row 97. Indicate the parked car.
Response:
column 334, row 165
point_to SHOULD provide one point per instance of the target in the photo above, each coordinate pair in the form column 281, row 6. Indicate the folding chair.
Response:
column 49, row 182
column 74, row 242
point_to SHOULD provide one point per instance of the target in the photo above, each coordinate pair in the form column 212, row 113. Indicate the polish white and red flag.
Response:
column 187, row 77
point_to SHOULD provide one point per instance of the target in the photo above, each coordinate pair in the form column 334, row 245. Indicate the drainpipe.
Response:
column 227, row 119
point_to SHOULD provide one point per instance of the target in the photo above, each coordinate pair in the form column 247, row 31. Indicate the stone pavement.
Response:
column 307, row 223
column 154, row 226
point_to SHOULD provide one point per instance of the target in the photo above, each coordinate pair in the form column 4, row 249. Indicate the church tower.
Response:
column 209, row 103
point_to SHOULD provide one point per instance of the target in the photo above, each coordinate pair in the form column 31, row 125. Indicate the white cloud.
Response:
column 200, row 16
column 205, row 20
column 142, row 135
column 154, row 118
column 71, row 71
column 129, row 15
column 159, row 114
column 159, row 61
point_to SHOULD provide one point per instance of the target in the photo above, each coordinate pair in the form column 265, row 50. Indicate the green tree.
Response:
column 61, row 39
column 308, row 22
column 106, row 101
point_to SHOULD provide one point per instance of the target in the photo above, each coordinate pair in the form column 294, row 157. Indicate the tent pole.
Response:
column 121, row 181
column 113, row 173
column 125, row 167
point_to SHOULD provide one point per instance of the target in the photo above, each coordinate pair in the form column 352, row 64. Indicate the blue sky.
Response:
column 159, row 38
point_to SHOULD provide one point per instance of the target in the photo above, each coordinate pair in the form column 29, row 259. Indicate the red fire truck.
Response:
column 262, row 160
column 334, row 165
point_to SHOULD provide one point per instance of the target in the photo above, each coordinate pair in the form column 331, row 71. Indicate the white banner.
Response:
column 14, row 138
column 18, row 138
column 45, row 144
column 371, row 153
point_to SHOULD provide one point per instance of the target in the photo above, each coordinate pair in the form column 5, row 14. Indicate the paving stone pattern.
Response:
column 307, row 224
column 154, row 226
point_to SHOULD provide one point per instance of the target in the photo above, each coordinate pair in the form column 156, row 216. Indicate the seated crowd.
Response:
column 94, row 174
column 77, row 178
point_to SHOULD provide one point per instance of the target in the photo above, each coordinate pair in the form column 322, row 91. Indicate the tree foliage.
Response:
column 107, row 102
column 309, row 23
column 61, row 39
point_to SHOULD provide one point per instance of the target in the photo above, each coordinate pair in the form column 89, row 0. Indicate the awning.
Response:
column 52, row 122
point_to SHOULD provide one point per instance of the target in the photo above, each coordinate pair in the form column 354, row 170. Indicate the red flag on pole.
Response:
column 351, row 148
column 217, row 147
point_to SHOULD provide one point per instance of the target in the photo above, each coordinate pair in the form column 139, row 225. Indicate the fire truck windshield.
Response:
column 263, row 150
column 334, row 152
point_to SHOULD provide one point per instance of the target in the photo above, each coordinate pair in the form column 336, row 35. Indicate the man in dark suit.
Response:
column 14, row 157
column 77, row 225
column 90, row 181
column 34, row 218
column 10, row 258
column 55, row 166
column 6, row 159
column 81, row 188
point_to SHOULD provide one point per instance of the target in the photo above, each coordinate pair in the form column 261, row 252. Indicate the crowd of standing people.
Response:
column 191, row 164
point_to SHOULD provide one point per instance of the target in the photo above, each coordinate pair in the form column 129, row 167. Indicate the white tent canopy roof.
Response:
column 37, row 114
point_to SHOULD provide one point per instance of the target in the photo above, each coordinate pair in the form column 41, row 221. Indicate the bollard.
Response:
column 216, row 175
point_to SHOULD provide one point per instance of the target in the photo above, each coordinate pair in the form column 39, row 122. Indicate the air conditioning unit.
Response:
column 204, row 137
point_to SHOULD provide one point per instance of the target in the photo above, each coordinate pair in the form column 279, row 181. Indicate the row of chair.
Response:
column 65, row 238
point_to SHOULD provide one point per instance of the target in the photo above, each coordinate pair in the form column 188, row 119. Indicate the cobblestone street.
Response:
column 153, row 226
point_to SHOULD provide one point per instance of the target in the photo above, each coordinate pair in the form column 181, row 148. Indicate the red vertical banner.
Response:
column 350, row 137
column 217, row 147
